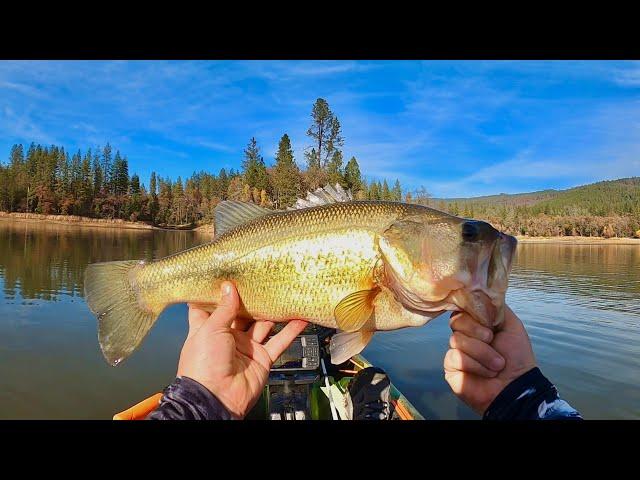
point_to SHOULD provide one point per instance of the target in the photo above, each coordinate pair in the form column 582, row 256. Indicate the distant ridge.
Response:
column 610, row 208
column 600, row 198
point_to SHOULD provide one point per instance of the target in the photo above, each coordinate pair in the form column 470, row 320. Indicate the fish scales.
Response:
column 297, row 264
column 358, row 266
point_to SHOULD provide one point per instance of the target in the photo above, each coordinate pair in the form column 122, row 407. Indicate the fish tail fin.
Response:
column 123, row 322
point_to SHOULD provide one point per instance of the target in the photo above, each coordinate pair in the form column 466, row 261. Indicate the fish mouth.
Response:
column 507, row 245
column 484, row 299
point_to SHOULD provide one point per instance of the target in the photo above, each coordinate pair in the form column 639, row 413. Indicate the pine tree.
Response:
column 352, row 176
column 325, row 131
column 85, row 192
column 385, row 193
column 15, row 177
column 223, row 185
column 315, row 175
column 255, row 171
column 334, row 170
column 286, row 175
column 107, row 168
column 178, row 205
column 396, row 193
column 152, row 184
column 374, row 192
column 98, row 176
column 120, row 175
column 134, row 186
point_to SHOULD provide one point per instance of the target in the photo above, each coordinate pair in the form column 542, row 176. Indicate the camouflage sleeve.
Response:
column 186, row 399
column 530, row 397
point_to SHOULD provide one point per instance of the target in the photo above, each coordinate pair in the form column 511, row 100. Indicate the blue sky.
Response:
column 457, row 128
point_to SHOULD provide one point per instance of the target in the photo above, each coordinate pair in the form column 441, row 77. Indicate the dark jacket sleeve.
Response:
column 186, row 399
column 530, row 397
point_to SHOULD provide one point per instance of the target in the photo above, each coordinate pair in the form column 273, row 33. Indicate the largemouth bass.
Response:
column 357, row 266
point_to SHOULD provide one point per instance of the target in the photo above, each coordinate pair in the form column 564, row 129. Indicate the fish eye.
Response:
column 470, row 231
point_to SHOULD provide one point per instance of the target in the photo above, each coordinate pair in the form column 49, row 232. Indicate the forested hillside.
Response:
column 609, row 209
column 97, row 183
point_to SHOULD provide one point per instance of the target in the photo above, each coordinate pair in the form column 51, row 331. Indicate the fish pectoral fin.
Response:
column 230, row 214
column 345, row 345
column 355, row 309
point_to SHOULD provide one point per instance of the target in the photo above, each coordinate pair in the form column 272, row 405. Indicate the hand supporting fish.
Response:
column 358, row 266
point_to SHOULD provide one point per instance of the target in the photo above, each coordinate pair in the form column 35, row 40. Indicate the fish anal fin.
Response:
column 345, row 345
column 230, row 214
column 355, row 309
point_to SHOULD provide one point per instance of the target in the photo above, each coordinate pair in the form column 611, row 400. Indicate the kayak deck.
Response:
column 302, row 385
column 311, row 400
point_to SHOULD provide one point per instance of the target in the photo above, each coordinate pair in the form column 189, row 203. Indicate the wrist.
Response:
column 207, row 401
column 506, row 403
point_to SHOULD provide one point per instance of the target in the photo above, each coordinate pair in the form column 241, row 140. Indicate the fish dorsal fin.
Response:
column 323, row 196
column 230, row 213
column 354, row 310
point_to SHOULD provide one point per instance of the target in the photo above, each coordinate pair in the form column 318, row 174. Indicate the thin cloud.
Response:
column 471, row 127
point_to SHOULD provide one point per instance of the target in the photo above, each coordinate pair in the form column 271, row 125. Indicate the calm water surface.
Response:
column 580, row 304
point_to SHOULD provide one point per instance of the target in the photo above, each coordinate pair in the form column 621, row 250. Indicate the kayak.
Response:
column 303, row 385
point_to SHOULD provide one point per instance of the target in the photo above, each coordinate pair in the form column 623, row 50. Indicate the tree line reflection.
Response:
column 42, row 261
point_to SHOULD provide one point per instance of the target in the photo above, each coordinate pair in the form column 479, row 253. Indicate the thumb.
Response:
column 511, row 324
column 227, row 310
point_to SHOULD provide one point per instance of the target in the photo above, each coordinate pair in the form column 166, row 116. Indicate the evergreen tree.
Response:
column 152, row 184
column 107, row 168
column 352, row 176
column 98, row 175
column 315, row 175
column 386, row 193
column 255, row 171
column 134, row 186
column 223, row 185
column 286, row 175
column 85, row 191
column 334, row 170
column 15, row 177
column 396, row 193
column 374, row 192
column 120, row 176
column 325, row 131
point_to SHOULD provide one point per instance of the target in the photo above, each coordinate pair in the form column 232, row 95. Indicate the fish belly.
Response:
column 302, row 277
column 305, row 277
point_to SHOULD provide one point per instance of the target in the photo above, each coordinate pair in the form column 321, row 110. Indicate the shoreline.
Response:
column 208, row 228
column 77, row 221
column 577, row 240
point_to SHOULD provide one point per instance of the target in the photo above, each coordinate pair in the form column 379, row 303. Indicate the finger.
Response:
column 227, row 310
column 463, row 322
column 458, row 360
column 279, row 343
column 259, row 331
column 482, row 352
column 196, row 317
column 242, row 324
column 511, row 322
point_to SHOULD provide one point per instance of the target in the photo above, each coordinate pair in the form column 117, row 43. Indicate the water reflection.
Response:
column 602, row 276
column 44, row 261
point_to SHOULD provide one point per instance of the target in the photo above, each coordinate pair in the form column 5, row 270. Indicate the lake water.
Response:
column 580, row 304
